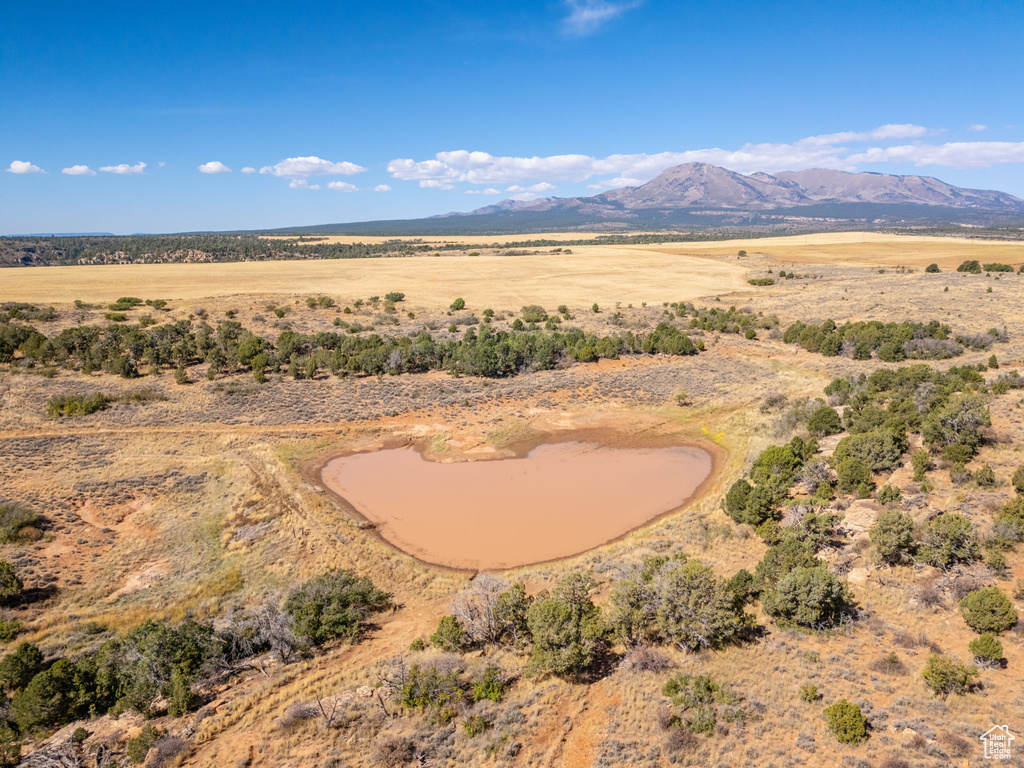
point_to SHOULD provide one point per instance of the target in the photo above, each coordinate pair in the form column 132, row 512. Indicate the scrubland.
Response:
column 200, row 500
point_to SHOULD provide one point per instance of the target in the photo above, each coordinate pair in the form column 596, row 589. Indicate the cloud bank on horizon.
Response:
column 528, row 177
column 822, row 151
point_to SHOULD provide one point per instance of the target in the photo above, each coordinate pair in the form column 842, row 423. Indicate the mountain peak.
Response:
column 699, row 185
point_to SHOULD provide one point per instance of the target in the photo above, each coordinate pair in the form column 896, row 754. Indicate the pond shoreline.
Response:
column 601, row 438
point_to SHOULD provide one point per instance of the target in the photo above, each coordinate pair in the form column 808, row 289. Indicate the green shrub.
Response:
column 10, row 584
column 809, row 693
column 534, row 313
column 985, row 477
column 955, row 427
column 394, row 296
column 889, row 494
column 932, row 268
column 807, row 597
column 459, row 304
column 749, row 505
column 780, row 559
column 770, row 532
column 696, row 609
column 846, row 722
column 947, row 676
column 698, row 697
column 18, row 668
column 986, row 648
column 1009, row 521
column 18, row 523
column 949, row 539
column 988, row 610
column 880, row 449
column 959, row 474
column 971, row 265
column 741, row 584
column 474, row 725
column 892, row 537
column 566, row 627
column 9, row 629
column 778, row 465
column 1017, row 480
column 431, row 688
column 996, row 562
column 53, row 697
column 180, row 697
column 335, row 605
column 825, row 421
column 490, row 685
column 139, row 746
column 76, row 405
column 921, row 461
column 854, row 476
column 450, row 636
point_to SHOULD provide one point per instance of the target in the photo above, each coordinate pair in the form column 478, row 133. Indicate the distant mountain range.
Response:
column 706, row 198
column 701, row 186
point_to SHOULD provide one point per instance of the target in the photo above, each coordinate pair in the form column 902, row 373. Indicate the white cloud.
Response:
column 526, row 174
column 435, row 184
column 882, row 133
column 587, row 16
column 78, row 170
column 977, row 127
column 214, row 166
column 304, row 167
column 342, row 186
column 161, row 164
column 541, row 187
column 382, row 188
column 302, row 184
column 248, row 169
column 488, row 191
column 958, row 154
column 526, row 196
column 124, row 168
column 23, row 166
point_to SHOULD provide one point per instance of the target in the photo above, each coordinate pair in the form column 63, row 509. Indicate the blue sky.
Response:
column 350, row 111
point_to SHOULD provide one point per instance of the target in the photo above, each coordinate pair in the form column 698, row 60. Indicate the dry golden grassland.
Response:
column 603, row 274
column 199, row 502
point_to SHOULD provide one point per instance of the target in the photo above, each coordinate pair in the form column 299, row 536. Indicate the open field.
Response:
column 465, row 239
column 203, row 498
column 815, row 239
column 589, row 274
column 602, row 274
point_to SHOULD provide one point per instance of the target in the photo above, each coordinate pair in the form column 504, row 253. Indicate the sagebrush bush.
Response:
column 947, row 676
column 846, row 722
column 334, row 605
column 988, row 610
column 986, row 648
column 892, row 537
column 808, row 597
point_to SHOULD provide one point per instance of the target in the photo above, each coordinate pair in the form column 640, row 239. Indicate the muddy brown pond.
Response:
column 559, row 500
